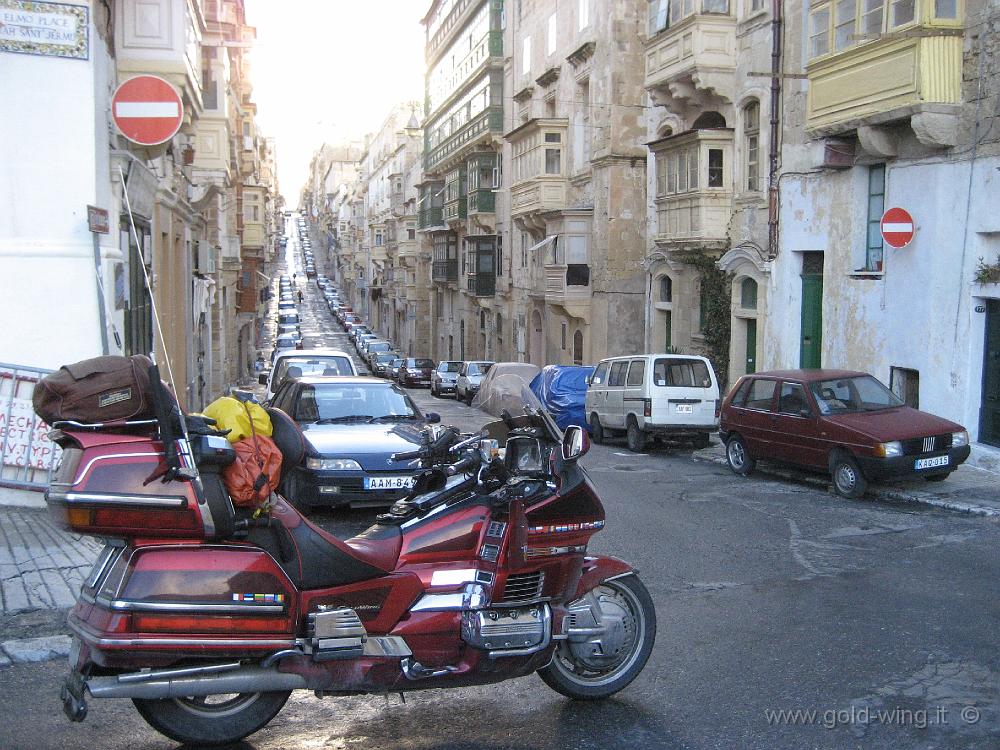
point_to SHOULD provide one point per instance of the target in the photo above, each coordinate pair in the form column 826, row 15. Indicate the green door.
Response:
column 989, row 413
column 751, row 346
column 812, row 311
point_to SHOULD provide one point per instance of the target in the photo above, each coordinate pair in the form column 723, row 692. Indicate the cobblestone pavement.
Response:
column 41, row 566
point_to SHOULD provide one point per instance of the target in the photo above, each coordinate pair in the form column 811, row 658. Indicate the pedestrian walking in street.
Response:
column 300, row 296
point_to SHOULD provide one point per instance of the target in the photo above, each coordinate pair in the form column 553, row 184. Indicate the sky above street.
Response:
column 330, row 70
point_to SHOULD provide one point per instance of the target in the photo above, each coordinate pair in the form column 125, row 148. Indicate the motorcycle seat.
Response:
column 315, row 559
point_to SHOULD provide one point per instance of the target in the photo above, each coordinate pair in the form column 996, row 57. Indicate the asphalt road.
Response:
column 771, row 597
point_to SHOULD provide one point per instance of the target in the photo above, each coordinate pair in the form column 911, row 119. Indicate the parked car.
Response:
column 415, row 371
column 287, row 341
column 288, row 317
column 484, row 398
column 373, row 347
column 360, row 340
column 393, row 369
column 469, row 378
column 445, row 377
column 352, row 426
column 673, row 396
column 844, row 422
column 380, row 363
column 308, row 363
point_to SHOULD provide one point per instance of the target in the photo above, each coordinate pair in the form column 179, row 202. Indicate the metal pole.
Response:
column 102, row 315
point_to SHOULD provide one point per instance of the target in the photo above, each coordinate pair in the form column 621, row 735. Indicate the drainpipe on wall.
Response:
column 772, row 176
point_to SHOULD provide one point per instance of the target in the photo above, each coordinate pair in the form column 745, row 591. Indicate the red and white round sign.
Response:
column 897, row 227
column 147, row 110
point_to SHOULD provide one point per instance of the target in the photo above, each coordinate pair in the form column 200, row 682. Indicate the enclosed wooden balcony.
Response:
column 539, row 180
column 695, row 56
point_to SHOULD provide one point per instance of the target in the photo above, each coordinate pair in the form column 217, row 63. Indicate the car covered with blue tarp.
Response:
column 563, row 389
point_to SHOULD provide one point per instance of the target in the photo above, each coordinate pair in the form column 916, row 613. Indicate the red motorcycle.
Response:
column 207, row 618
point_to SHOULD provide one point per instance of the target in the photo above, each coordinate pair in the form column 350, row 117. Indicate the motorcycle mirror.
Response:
column 575, row 443
column 432, row 417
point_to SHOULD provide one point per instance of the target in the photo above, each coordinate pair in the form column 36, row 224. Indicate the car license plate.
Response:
column 930, row 463
column 389, row 483
column 685, row 408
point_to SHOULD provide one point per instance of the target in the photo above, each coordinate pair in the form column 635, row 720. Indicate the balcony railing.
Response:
column 481, row 284
column 455, row 210
column 490, row 120
column 698, row 216
column 445, row 270
column 538, row 195
column 430, row 217
column 559, row 290
column 482, row 201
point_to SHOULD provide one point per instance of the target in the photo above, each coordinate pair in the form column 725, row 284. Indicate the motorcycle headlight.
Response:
column 333, row 464
column 958, row 439
column 889, row 450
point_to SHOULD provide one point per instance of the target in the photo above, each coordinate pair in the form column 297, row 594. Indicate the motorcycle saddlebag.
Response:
column 102, row 389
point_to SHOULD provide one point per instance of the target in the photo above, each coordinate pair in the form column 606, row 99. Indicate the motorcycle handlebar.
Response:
column 443, row 442
column 460, row 466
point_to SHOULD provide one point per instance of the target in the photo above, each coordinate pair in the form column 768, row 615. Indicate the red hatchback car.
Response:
column 843, row 422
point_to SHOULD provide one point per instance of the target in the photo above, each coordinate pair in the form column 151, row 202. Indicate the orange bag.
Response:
column 255, row 473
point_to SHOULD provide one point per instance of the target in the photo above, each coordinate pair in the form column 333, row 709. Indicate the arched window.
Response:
column 751, row 144
column 578, row 347
column 748, row 294
column 710, row 119
column 666, row 289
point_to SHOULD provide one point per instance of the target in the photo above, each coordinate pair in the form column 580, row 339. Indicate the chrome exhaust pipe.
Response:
column 208, row 680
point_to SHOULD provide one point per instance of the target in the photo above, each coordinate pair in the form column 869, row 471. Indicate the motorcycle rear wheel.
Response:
column 211, row 719
column 583, row 678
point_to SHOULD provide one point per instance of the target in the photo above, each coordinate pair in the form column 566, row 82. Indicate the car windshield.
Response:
column 297, row 367
column 449, row 367
column 384, row 357
column 329, row 403
column 423, row 364
column 852, row 395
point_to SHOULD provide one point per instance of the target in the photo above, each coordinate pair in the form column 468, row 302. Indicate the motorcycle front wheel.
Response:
column 211, row 719
column 604, row 664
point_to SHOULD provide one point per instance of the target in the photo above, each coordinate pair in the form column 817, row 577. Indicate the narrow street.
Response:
column 874, row 623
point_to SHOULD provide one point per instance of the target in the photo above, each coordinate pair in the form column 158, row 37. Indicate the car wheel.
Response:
column 596, row 430
column 738, row 457
column 848, row 481
column 635, row 437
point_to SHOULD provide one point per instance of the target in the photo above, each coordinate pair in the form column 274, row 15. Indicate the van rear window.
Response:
column 685, row 373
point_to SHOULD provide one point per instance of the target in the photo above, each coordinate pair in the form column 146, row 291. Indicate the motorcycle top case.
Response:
column 102, row 389
column 109, row 485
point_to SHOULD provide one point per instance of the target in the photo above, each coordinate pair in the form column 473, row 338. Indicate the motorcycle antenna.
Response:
column 149, row 287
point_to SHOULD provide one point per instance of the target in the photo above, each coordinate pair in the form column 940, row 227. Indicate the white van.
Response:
column 306, row 362
column 660, row 395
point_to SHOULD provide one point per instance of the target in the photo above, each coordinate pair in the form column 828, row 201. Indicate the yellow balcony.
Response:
column 900, row 76
column 538, row 195
column 700, row 218
column 695, row 56
column 539, row 183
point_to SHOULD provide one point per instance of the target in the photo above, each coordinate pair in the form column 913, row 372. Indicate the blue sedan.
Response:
column 352, row 425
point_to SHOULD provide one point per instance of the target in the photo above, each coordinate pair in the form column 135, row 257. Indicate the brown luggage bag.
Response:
column 102, row 389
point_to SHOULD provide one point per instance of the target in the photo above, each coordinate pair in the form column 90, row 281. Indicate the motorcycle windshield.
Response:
column 509, row 393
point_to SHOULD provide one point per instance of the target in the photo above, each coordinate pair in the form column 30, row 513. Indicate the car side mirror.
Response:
column 432, row 417
column 575, row 443
column 262, row 378
column 805, row 413
column 590, row 379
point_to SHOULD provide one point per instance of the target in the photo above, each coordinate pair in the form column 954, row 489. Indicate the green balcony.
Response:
column 482, row 201
column 445, row 270
column 430, row 217
column 482, row 284
column 455, row 210
column 490, row 120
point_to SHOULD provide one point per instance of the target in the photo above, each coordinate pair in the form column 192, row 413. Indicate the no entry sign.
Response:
column 897, row 227
column 147, row 110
